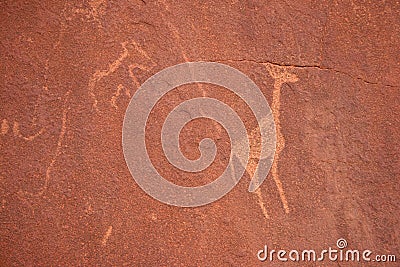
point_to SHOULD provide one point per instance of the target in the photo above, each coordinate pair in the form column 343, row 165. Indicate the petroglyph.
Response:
column 114, row 98
column 179, row 42
column 100, row 74
column 151, row 64
column 281, row 75
column 4, row 127
column 59, row 143
column 116, row 64
column 260, row 202
column 57, row 150
column 178, row 39
column 255, row 154
column 17, row 133
column 106, row 235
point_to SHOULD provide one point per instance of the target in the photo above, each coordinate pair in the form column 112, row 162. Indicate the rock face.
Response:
column 329, row 70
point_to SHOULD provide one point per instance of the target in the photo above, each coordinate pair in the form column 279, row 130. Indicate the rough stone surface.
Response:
column 329, row 70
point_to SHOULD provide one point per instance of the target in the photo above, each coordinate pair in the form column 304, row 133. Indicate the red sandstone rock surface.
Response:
column 329, row 70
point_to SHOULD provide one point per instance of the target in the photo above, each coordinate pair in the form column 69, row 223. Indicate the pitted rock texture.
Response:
column 329, row 70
